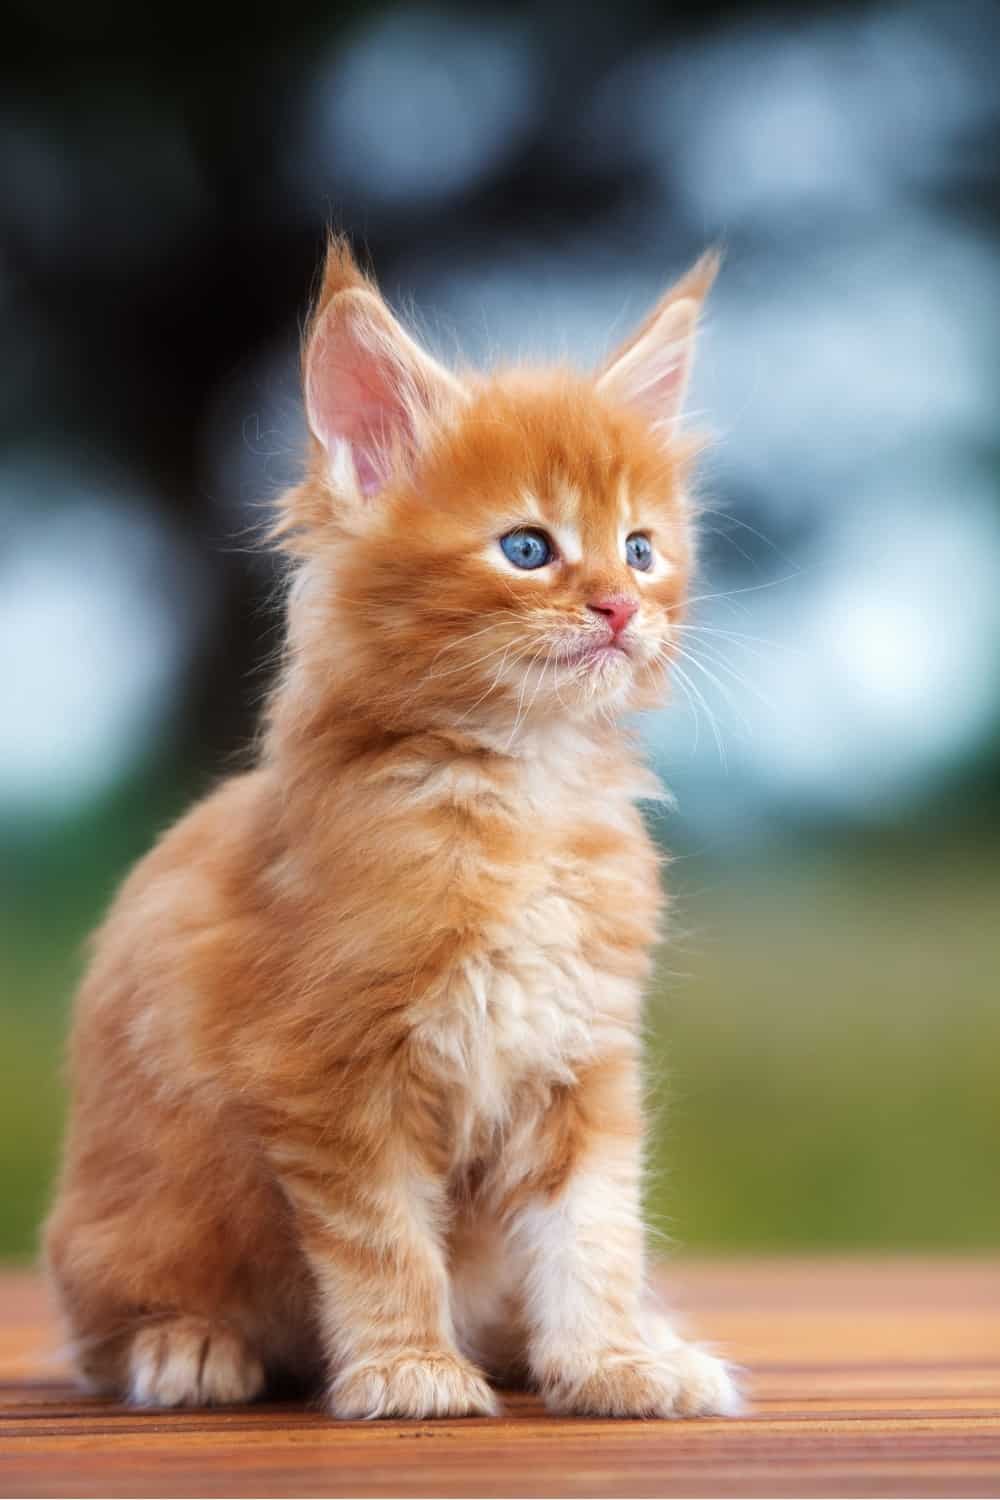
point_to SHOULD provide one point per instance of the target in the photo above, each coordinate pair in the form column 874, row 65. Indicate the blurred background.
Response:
column 825, row 1027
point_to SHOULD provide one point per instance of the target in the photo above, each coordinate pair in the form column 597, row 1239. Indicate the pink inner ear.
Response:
column 661, row 395
column 370, row 477
column 352, row 396
column 652, row 374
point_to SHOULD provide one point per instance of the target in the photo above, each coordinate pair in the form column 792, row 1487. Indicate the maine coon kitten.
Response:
column 356, row 1092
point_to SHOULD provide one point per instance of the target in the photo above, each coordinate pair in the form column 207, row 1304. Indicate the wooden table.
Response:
column 866, row 1378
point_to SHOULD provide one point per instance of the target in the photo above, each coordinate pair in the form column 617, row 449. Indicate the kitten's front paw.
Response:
column 413, row 1385
column 684, row 1381
column 706, row 1387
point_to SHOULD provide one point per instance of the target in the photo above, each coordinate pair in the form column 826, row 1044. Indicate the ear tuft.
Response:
column 341, row 273
column 698, row 280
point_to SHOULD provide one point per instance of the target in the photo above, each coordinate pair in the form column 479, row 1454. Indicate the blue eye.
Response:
column 639, row 552
column 527, row 548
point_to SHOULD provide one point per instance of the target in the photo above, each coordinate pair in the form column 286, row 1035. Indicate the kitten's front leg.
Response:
column 370, row 1211
column 593, row 1348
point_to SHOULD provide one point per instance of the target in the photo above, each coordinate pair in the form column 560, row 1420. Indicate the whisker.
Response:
column 723, row 687
column 464, row 666
column 462, row 640
column 753, row 588
column 693, row 707
column 738, row 637
column 713, row 723
column 520, row 698
column 495, row 683
column 724, row 515
column 717, row 659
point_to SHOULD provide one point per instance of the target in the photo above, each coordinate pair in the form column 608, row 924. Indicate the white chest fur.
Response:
column 530, row 997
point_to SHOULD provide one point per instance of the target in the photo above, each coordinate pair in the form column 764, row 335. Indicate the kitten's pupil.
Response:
column 526, row 548
column 639, row 551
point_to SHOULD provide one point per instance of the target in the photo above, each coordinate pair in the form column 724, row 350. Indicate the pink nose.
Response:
column 617, row 610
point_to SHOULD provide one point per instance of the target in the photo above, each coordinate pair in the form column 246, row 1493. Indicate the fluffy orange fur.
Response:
column 356, row 1093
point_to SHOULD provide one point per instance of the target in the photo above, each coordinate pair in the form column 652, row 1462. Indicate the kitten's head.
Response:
column 490, row 551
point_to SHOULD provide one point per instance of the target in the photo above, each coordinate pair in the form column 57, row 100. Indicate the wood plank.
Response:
column 864, row 1377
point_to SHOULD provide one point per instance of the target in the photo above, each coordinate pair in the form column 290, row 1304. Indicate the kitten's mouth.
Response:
column 594, row 652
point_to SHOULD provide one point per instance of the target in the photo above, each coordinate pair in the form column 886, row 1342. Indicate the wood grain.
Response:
column 865, row 1378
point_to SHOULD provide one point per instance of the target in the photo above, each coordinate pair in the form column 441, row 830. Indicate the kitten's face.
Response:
column 493, row 552
column 533, row 566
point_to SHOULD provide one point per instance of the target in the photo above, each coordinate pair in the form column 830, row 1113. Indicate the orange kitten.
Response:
column 356, row 1065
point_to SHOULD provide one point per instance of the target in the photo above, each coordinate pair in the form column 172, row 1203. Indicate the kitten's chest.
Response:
column 552, row 979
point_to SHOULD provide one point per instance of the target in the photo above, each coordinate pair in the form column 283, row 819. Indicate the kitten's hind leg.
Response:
column 191, row 1361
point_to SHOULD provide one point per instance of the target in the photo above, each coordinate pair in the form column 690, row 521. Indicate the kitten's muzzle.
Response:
column 617, row 609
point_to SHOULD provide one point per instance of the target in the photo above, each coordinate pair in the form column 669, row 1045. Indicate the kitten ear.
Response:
column 650, row 371
column 372, row 395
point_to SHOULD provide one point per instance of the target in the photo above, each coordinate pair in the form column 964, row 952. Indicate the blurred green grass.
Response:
column 828, row 1074
column 824, row 1055
column 37, row 974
